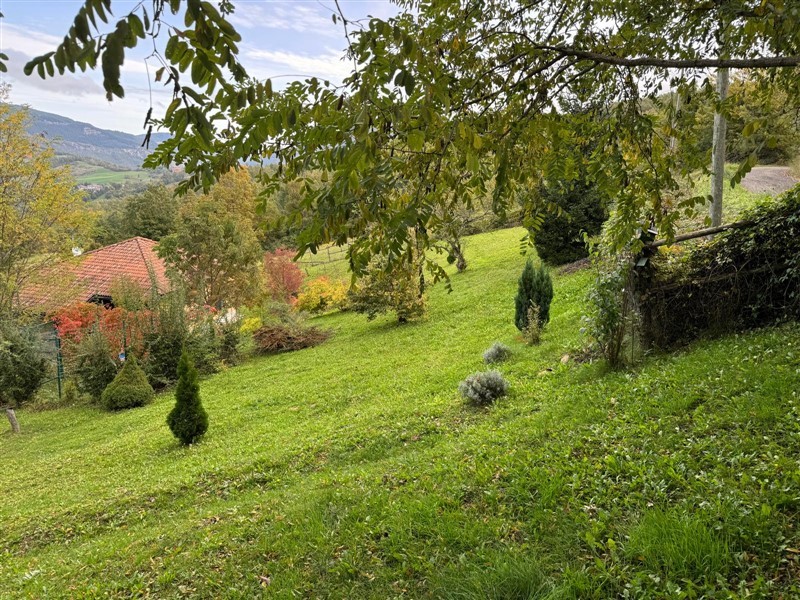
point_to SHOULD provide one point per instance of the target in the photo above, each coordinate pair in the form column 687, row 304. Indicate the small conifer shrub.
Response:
column 496, row 353
column 188, row 420
column 535, row 288
column 129, row 389
column 483, row 388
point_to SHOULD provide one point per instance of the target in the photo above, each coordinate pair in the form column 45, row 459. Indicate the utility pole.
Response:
column 718, row 151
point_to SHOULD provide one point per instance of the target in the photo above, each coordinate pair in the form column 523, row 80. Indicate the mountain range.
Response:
column 85, row 142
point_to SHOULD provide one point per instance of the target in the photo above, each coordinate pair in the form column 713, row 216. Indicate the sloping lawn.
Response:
column 353, row 470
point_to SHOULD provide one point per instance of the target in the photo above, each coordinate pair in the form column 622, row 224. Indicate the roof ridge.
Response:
column 135, row 238
column 141, row 251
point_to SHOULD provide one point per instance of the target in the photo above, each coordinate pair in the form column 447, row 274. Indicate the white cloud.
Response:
column 79, row 96
column 288, row 39
column 276, row 63
column 26, row 41
column 67, row 84
column 294, row 16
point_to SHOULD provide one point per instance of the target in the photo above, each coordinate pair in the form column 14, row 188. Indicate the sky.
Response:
column 281, row 39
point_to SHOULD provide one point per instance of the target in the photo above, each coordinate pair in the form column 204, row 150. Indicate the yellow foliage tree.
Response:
column 41, row 213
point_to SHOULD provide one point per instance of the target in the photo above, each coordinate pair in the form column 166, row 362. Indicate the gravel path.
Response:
column 769, row 180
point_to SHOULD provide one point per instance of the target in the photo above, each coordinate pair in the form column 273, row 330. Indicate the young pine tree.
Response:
column 535, row 289
column 188, row 420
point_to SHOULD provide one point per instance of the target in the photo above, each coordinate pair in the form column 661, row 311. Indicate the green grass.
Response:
column 735, row 201
column 103, row 176
column 353, row 469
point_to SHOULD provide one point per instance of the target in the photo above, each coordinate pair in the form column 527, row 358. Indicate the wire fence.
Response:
column 326, row 256
column 51, row 348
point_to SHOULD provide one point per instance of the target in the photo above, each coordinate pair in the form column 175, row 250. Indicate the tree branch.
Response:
column 676, row 63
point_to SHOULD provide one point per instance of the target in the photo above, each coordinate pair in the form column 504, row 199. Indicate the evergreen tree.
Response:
column 188, row 420
column 22, row 368
column 130, row 387
column 535, row 288
column 559, row 239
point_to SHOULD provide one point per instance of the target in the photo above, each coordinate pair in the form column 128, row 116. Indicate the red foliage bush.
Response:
column 122, row 328
column 283, row 277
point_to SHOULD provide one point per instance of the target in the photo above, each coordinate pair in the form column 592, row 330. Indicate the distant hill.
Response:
column 88, row 143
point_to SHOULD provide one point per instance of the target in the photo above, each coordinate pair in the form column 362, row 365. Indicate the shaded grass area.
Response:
column 353, row 470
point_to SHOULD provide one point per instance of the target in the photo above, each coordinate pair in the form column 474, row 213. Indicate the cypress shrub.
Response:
column 188, row 420
column 129, row 389
column 163, row 354
column 535, row 289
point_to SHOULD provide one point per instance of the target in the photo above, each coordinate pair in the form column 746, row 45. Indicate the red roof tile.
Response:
column 93, row 274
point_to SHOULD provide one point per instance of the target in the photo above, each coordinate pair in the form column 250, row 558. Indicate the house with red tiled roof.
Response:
column 91, row 276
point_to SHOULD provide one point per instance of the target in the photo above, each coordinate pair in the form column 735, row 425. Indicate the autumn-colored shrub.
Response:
column 123, row 329
column 321, row 295
column 283, row 278
column 249, row 325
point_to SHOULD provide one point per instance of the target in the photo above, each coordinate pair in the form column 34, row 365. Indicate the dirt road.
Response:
column 769, row 180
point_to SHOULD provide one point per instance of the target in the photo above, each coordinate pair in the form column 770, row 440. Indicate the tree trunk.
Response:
column 12, row 418
column 718, row 152
column 456, row 252
column 461, row 263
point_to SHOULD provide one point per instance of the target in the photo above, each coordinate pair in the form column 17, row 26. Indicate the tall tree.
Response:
column 214, row 251
column 447, row 97
column 237, row 191
column 41, row 212
column 151, row 214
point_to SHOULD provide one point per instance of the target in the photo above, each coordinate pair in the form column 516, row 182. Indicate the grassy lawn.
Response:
column 101, row 175
column 735, row 201
column 354, row 470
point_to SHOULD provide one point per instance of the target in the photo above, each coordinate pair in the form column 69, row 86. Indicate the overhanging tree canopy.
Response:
column 450, row 100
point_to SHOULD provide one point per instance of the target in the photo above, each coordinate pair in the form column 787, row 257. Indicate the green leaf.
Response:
column 473, row 164
column 408, row 83
column 408, row 45
column 416, row 140
column 136, row 25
